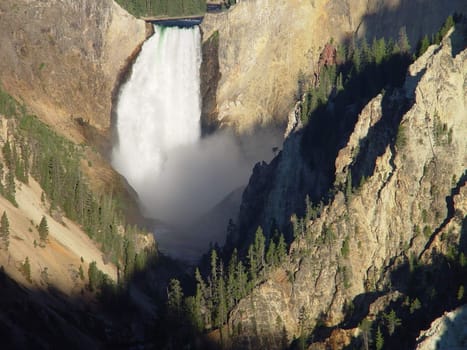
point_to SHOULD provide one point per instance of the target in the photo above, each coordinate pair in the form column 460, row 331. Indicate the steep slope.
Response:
column 54, row 263
column 60, row 256
column 410, row 204
column 63, row 58
column 65, row 251
column 265, row 46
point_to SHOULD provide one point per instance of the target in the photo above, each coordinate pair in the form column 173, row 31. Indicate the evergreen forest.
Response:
column 164, row 8
column 34, row 150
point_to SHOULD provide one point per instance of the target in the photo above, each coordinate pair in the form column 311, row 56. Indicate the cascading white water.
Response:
column 159, row 107
column 179, row 176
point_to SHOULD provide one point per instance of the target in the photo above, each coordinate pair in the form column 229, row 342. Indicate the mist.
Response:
column 182, row 180
column 199, row 187
column 194, row 178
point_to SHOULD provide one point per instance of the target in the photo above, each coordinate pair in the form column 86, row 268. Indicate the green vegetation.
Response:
column 442, row 135
column 360, row 70
column 25, row 269
column 392, row 322
column 365, row 328
column 226, row 284
column 415, row 305
column 5, row 231
column 329, row 104
column 401, row 139
column 97, row 279
column 43, row 230
column 81, row 273
column 435, row 39
column 379, row 341
column 33, row 149
column 460, row 293
column 345, row 250
column 11, row 160
column 163, row 8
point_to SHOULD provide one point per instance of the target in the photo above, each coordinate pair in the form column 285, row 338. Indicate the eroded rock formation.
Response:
column 63, row 58
column 413, row 192
column 264, row 45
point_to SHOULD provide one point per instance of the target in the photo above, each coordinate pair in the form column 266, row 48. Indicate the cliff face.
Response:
column 264, row 45
column 411, row 182
column 63, row 58
column 446, row 332
column 210, row 76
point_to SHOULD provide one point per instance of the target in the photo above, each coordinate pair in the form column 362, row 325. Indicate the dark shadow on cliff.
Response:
column 330, row 127
column 125, row 316
column 327, row 131
column 381, row 136
column 36, row 319
column 210, row 77
column 332, row 122
column 389, row 19
column 427, row 292
column 450, row 214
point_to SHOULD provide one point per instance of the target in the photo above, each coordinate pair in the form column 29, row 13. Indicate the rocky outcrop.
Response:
column 446, row 332
column 63, row 58
column 264, row 45
column 408, row 150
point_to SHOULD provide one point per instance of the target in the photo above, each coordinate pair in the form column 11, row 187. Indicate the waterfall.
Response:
column 159, row 107
column 181, row 179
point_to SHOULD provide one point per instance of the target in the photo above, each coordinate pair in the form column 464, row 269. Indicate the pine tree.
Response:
column 415, row 305
column 201, row 298
column 193, row 313
column 259, row 247
column 242, row 281
column 7, row 154
column 175, row 299
column 10, row 190
column 221, row 310
column 403, row 40
column 129, row 254
column 379, row 50
column 232, row 283
column 81, row 272
column 424, row 44
column 379, row 339
column 214, row 265
column 43, row 230
column 460, row 293
column 2, row 188
column 392, row 321
column 281, row 249
column 253, row 263
column 5, row 230
column 271, row 255
column 448, row 24
column 365, row 327
column 26, row 270
column 93, row 275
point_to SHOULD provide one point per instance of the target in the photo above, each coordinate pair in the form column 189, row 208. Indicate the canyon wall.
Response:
column 265, row 45
column 63, row 58
column 412, row 197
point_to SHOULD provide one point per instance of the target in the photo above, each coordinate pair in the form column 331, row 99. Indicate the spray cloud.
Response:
column 178, row 175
